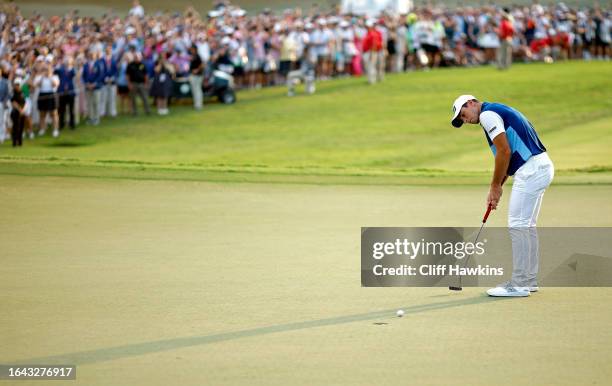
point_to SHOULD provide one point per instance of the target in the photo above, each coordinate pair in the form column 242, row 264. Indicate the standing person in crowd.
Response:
column 161, row 87
column 17, row 112
column 196, row 77
column 66, row 74
column 34, row 91
column 80, row 100
column 137, row 10
column 506, row 33
column 603, row 35
column 93, row 78
column 288, row 53
column 137, row 79
column 374, row 54
column 122, row 82
column 47, row 83
column 489, row 42
column 358, row 60
column 108, row 105
column 400, row 45
column 347, row 48
column 428, row 39
column 5, row 95
column 27, row 110
column 320, row 45
column 391, row 44
column 271, row 65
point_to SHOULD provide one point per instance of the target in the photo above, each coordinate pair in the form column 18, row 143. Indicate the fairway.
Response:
column 157, row 282
column 222, row 247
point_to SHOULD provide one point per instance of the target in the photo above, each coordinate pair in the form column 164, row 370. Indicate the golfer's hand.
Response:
column 495, row 194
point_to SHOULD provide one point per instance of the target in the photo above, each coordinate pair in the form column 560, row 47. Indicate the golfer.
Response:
column 518, row 152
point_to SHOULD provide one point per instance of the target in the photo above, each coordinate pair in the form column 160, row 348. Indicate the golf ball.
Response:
column 399, row 313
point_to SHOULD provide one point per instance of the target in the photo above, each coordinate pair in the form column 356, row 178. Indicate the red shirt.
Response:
column 372, row 41
column 505, row 29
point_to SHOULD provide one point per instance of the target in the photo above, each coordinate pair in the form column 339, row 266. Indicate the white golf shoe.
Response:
column 508, row 291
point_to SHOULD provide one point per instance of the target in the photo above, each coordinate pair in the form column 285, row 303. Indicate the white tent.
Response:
column 375, row 7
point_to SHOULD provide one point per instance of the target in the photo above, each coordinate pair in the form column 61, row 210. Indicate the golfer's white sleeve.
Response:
column 492, row 123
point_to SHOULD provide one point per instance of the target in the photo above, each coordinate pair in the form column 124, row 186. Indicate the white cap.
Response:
column 18, row 81
column 344, row 24
column 369, row 23
column 457, row 105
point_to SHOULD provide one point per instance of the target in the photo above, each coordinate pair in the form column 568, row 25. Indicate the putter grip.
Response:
column 486, row 216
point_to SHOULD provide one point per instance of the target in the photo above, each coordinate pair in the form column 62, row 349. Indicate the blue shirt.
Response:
column 522, row 137
column 66, row 77
column 122, row 74
column 110, row 69
column 93, row 73
column 4, row 90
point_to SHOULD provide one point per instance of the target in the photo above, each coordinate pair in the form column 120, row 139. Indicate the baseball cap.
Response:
column 457, row 105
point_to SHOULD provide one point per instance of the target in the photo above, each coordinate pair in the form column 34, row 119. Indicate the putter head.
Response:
column 453, row 288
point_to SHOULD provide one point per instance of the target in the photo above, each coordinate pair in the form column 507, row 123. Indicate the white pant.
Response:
column 375, row 65
column 93, row 104
column 196, row 90
column 530, row 182
column 108, row 100
column 3, row 121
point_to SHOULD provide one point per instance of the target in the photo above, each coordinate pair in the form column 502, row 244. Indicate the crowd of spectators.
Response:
column 56, row 70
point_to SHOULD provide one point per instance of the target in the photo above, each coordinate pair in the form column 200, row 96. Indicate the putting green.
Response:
column 177, row 282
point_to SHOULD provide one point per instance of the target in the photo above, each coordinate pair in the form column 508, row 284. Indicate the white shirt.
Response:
column 137, row 11
column 47, row 84
column 492, row 123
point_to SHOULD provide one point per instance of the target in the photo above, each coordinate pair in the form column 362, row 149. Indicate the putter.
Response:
column 484, row 220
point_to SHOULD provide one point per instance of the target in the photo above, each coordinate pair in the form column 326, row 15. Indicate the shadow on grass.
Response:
column 136, row 349
column 68, row 144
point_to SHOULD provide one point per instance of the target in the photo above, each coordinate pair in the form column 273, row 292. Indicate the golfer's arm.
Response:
column 502, row 159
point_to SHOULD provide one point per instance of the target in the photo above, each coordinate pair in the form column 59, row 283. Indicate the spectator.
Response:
column 161, row 87
column 17, row 112
column 373, row 51
column 137, row 10
column 93, row 78
column 47, row 83
column 66, row 74
column 196, row 77
column 5, row 94
column 108, row 105
column 122, row 82
column 137, row 79
column 288, row 53
column 506, row 32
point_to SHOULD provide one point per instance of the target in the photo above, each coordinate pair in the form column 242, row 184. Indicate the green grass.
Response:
column 198, row 283
column 348, row 129
column 139, row 275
